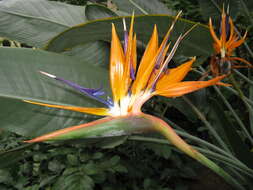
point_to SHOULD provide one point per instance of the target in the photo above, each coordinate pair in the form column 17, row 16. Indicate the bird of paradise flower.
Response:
column 132, row 85
column 223, row 60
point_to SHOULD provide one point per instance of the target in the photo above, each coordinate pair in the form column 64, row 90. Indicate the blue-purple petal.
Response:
column 91, row 92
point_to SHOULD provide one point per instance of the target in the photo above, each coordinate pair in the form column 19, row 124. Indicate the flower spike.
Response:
column 132, row 85
column 223, row 60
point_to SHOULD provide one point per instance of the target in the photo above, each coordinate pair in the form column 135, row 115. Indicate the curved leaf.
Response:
column 20, row 80
column 95, row 53
column 197, row 43
column 34, row 22
column 142, row 7
column 96, row 11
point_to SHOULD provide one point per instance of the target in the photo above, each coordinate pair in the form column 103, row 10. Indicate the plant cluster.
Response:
column 215, row 124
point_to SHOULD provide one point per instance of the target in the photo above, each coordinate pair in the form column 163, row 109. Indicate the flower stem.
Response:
column 237, row 91
column 207, row 124
column 171, row 135
column 243, row 76
column 233, row 163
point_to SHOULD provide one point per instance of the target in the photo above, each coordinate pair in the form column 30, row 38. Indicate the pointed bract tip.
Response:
column 47, row 74
column 29, row 141
column 193, row 58
column 228, row 9
column 133, row 13
column 155, row 28
column 27, row 101
column 124, row 24
column 188, row 31
column 179, row 14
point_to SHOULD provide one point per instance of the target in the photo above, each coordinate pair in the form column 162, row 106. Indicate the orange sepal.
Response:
column 181, row 88
column 223, row 84
column 241, row 60
column 223, row 29
column 235, row 44
column 126, row 80
column 215, row 38
column 94, row 111
column 147, row 63
column 175, row 75
column 117, row 63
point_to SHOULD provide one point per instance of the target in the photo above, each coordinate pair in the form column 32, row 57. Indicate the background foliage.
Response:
column 123, row 162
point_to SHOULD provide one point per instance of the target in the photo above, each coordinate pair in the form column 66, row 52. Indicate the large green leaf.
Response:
column 197, row 43
column 20, row 80
column 34, row 22
column 142, row 7
column 95, row 53
column 96, row 11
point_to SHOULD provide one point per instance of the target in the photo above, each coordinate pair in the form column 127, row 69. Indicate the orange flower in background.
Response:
column 223, row 60
column 133, row 84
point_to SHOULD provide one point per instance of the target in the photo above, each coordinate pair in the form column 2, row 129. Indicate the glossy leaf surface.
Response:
column 142, row 7
column 95, row 53
column 96, row 11
column 20, row 80
column 192, row 45
column 34, row 22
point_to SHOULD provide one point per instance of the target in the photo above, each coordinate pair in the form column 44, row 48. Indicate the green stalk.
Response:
column 239, row 93
column 236, row 86
column 221, row 158
column 239, row 121
column 207, row 124
column 243, row 76
column 209, row 146
column 171, row 135
column 199, row 141
column 250, row 97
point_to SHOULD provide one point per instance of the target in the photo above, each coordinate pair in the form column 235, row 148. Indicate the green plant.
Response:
column 76, row 53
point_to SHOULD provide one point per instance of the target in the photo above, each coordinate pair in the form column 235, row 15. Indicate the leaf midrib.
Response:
column 33, row 17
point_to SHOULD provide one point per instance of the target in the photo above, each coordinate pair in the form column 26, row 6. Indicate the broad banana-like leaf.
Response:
column 142, row 7
column 96, row 11
column 197, row 43
column 95, row 53
column 20, row 80
column 34, row 22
